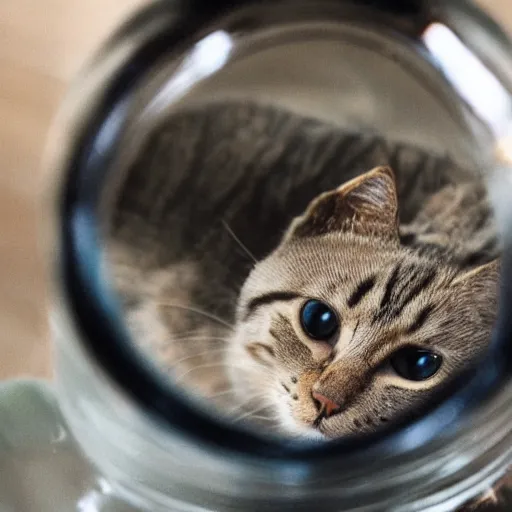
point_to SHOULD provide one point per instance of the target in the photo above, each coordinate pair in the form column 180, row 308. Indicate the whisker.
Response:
column 260, row 396
column 178, row 336
column 197, row 338
column 222, row 393
column 173, row 345
column 190, row 348
column 239, row 242
column 247, row 374
column 180, row 377
column 256, row 396
column 250, row 365
column 220, row 366
column 250, row 413
column 197, row 311
column 222, row 350
column 191, row 332
column 263, row 418
column 233, row 391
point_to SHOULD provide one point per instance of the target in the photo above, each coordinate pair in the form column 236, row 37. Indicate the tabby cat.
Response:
column 354, row 321
column 348, row 322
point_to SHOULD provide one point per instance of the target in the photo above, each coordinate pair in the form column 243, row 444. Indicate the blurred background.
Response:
column 43, row 43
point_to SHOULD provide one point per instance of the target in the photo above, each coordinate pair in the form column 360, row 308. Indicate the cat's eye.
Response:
column 318, row 320
column 416, row 364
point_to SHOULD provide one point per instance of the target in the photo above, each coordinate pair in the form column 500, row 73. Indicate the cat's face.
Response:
column 341, row 330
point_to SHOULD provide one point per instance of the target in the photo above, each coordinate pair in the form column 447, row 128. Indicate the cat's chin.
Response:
column 290, row 428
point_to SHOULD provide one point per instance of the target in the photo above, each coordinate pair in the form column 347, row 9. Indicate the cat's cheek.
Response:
column 287, row 417
column 287, row 422
column 237, row 361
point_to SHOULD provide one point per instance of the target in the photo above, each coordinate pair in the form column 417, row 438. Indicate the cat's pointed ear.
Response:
column 481, row 285
column 366, row 205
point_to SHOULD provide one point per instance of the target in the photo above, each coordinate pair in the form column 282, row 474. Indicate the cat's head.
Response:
column 341, row 329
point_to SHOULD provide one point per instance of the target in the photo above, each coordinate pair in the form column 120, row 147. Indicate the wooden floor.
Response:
column 42, row 45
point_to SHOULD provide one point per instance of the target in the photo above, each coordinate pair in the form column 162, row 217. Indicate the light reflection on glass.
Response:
column 470, row 77
column 489, row 100
column 91, row 502
column 206, row 57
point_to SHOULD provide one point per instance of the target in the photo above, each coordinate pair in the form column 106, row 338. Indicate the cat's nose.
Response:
column 325, row 405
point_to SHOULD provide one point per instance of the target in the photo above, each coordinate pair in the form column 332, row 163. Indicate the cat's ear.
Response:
column 366, row 205
column 481, row 285
column 479, row 277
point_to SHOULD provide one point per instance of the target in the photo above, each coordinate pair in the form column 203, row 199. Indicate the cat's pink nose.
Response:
column 326, row 405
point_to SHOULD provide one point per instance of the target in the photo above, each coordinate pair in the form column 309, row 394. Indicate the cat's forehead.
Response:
column 317, row 266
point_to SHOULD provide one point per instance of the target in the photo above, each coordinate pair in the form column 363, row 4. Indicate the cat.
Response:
column 237, row 168
column 245, row 168
column 354, row 321
column 169, row 270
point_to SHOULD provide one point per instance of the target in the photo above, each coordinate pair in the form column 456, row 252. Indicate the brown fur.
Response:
column 179, row 269
column 345, row 238
column 254, row 168
column 206, row 173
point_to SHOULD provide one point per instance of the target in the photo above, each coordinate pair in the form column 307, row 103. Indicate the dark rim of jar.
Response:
column 94, row 308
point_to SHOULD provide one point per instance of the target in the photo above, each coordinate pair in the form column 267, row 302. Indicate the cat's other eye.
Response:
column 416, row 364
column 318, row 320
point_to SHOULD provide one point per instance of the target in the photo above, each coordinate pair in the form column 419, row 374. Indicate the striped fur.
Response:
column 431, row 284
column 253, row 168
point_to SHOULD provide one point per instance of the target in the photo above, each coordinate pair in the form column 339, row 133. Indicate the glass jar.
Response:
column 437, row 75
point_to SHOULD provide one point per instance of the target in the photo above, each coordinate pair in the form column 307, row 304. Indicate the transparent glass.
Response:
column 434, row 76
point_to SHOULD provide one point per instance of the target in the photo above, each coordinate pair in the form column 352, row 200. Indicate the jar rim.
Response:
column 95, row 312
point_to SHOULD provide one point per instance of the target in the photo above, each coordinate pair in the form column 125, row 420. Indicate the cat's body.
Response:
column 455, row 224
column 249, row 170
